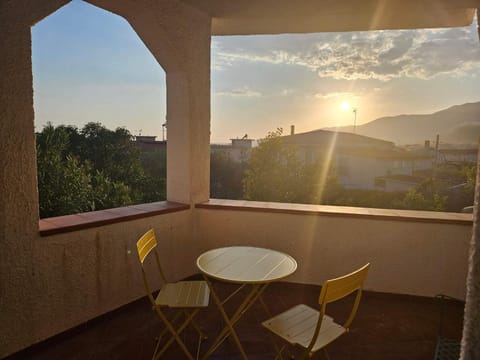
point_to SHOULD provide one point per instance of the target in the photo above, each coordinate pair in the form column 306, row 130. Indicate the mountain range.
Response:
column 459, row 124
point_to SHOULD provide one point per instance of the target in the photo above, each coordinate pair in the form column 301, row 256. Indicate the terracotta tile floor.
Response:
column 387, row 326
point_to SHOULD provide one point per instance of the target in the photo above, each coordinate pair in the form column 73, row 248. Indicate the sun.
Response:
column 345, row 105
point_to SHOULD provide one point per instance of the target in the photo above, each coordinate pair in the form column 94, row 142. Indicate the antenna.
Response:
column 354, row 120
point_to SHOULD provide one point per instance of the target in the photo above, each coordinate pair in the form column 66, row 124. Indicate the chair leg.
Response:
column 278, row 349
column 325, row 353
column 196, row 327
column 165, row 330
column 175, row 334
column 154, row 356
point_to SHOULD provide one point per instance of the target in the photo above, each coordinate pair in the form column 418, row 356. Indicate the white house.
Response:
column 358, row 160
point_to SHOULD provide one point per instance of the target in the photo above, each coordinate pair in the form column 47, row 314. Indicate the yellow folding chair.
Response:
column 188, row 297
column 312, row 329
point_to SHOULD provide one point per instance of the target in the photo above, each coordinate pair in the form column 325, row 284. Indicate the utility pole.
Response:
column 354, row 120
column 435, row 163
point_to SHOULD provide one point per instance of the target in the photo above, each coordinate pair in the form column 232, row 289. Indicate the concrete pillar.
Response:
column 188, row 115
column 19, row 204
column 18, row 179
column 179, row 36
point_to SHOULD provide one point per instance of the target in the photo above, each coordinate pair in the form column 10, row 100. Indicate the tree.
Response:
column 92, row 169
column 226, row 177
column 108, row 193
column 114, row 154
column 63, row 181
column 153, row 185
column 416, row 200
column 275, row 173
column 270, row 169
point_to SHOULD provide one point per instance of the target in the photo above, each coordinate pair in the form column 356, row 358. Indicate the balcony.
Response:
column 53, row 282
column 414, row 255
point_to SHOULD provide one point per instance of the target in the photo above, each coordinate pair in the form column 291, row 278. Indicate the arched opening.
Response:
column 100, row 113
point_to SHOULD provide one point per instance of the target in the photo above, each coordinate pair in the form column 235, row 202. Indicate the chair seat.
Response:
column 184, row 294
column 297, row 326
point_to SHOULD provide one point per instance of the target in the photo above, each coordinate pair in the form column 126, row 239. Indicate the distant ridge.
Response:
column 459, row 124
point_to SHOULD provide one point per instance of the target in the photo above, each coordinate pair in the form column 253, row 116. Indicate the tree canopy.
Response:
column 93, row 168
column 276, row 173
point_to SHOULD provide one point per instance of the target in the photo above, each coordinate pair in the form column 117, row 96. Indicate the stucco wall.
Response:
column 77, row 276
column 50, row 284
column 417, row 258
column 18, row 191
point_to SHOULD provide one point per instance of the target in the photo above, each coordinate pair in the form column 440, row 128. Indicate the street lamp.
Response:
column 354, row 110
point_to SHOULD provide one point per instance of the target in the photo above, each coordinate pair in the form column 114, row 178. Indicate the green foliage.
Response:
column 470, row 175
column 226, row 177
column 153, row 185
column 416, row 200
column 413, row 200
column 275, row 173
column 439, row 202
column 108, row 193
column 92, row 169
column 114, row 154
column 451, row 188
column 366, row 198
column 320, row 185
column 63, row 182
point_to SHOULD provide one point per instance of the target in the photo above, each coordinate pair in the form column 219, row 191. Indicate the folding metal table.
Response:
column 245, row 266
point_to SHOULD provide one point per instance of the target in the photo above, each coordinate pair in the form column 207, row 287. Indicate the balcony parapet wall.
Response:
column 411, row 252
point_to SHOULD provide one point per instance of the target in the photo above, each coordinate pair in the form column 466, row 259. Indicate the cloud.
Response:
column 335, row 95
column 380, row 55
column 287, row 92
column 239, row 92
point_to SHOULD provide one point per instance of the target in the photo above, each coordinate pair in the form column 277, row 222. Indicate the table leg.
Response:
column 252, row 296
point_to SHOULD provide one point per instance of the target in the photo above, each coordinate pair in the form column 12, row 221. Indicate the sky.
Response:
column 89, row 65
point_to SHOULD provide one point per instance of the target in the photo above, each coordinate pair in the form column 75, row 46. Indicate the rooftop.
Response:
column 339, row 139
column 387, row 326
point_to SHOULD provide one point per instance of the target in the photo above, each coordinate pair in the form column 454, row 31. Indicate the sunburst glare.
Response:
column 345, row 105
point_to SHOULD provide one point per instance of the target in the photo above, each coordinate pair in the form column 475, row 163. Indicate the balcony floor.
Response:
column 387, row 326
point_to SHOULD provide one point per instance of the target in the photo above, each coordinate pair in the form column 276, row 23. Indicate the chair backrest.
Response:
column 336, row 289
column 145, row 245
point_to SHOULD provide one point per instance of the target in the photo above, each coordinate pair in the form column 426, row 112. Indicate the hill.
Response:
column 459, row 124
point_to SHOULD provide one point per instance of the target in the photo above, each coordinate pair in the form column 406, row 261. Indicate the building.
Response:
column 398, row 182
column 238, row 151
column 459, row 156
column 360, row 162
column 150, row 144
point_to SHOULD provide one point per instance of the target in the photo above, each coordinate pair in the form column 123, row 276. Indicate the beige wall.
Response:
column 50, row 284
column 418, row 258
column 79, row 275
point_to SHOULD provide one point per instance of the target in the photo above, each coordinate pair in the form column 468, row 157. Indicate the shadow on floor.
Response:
column 387, row 326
